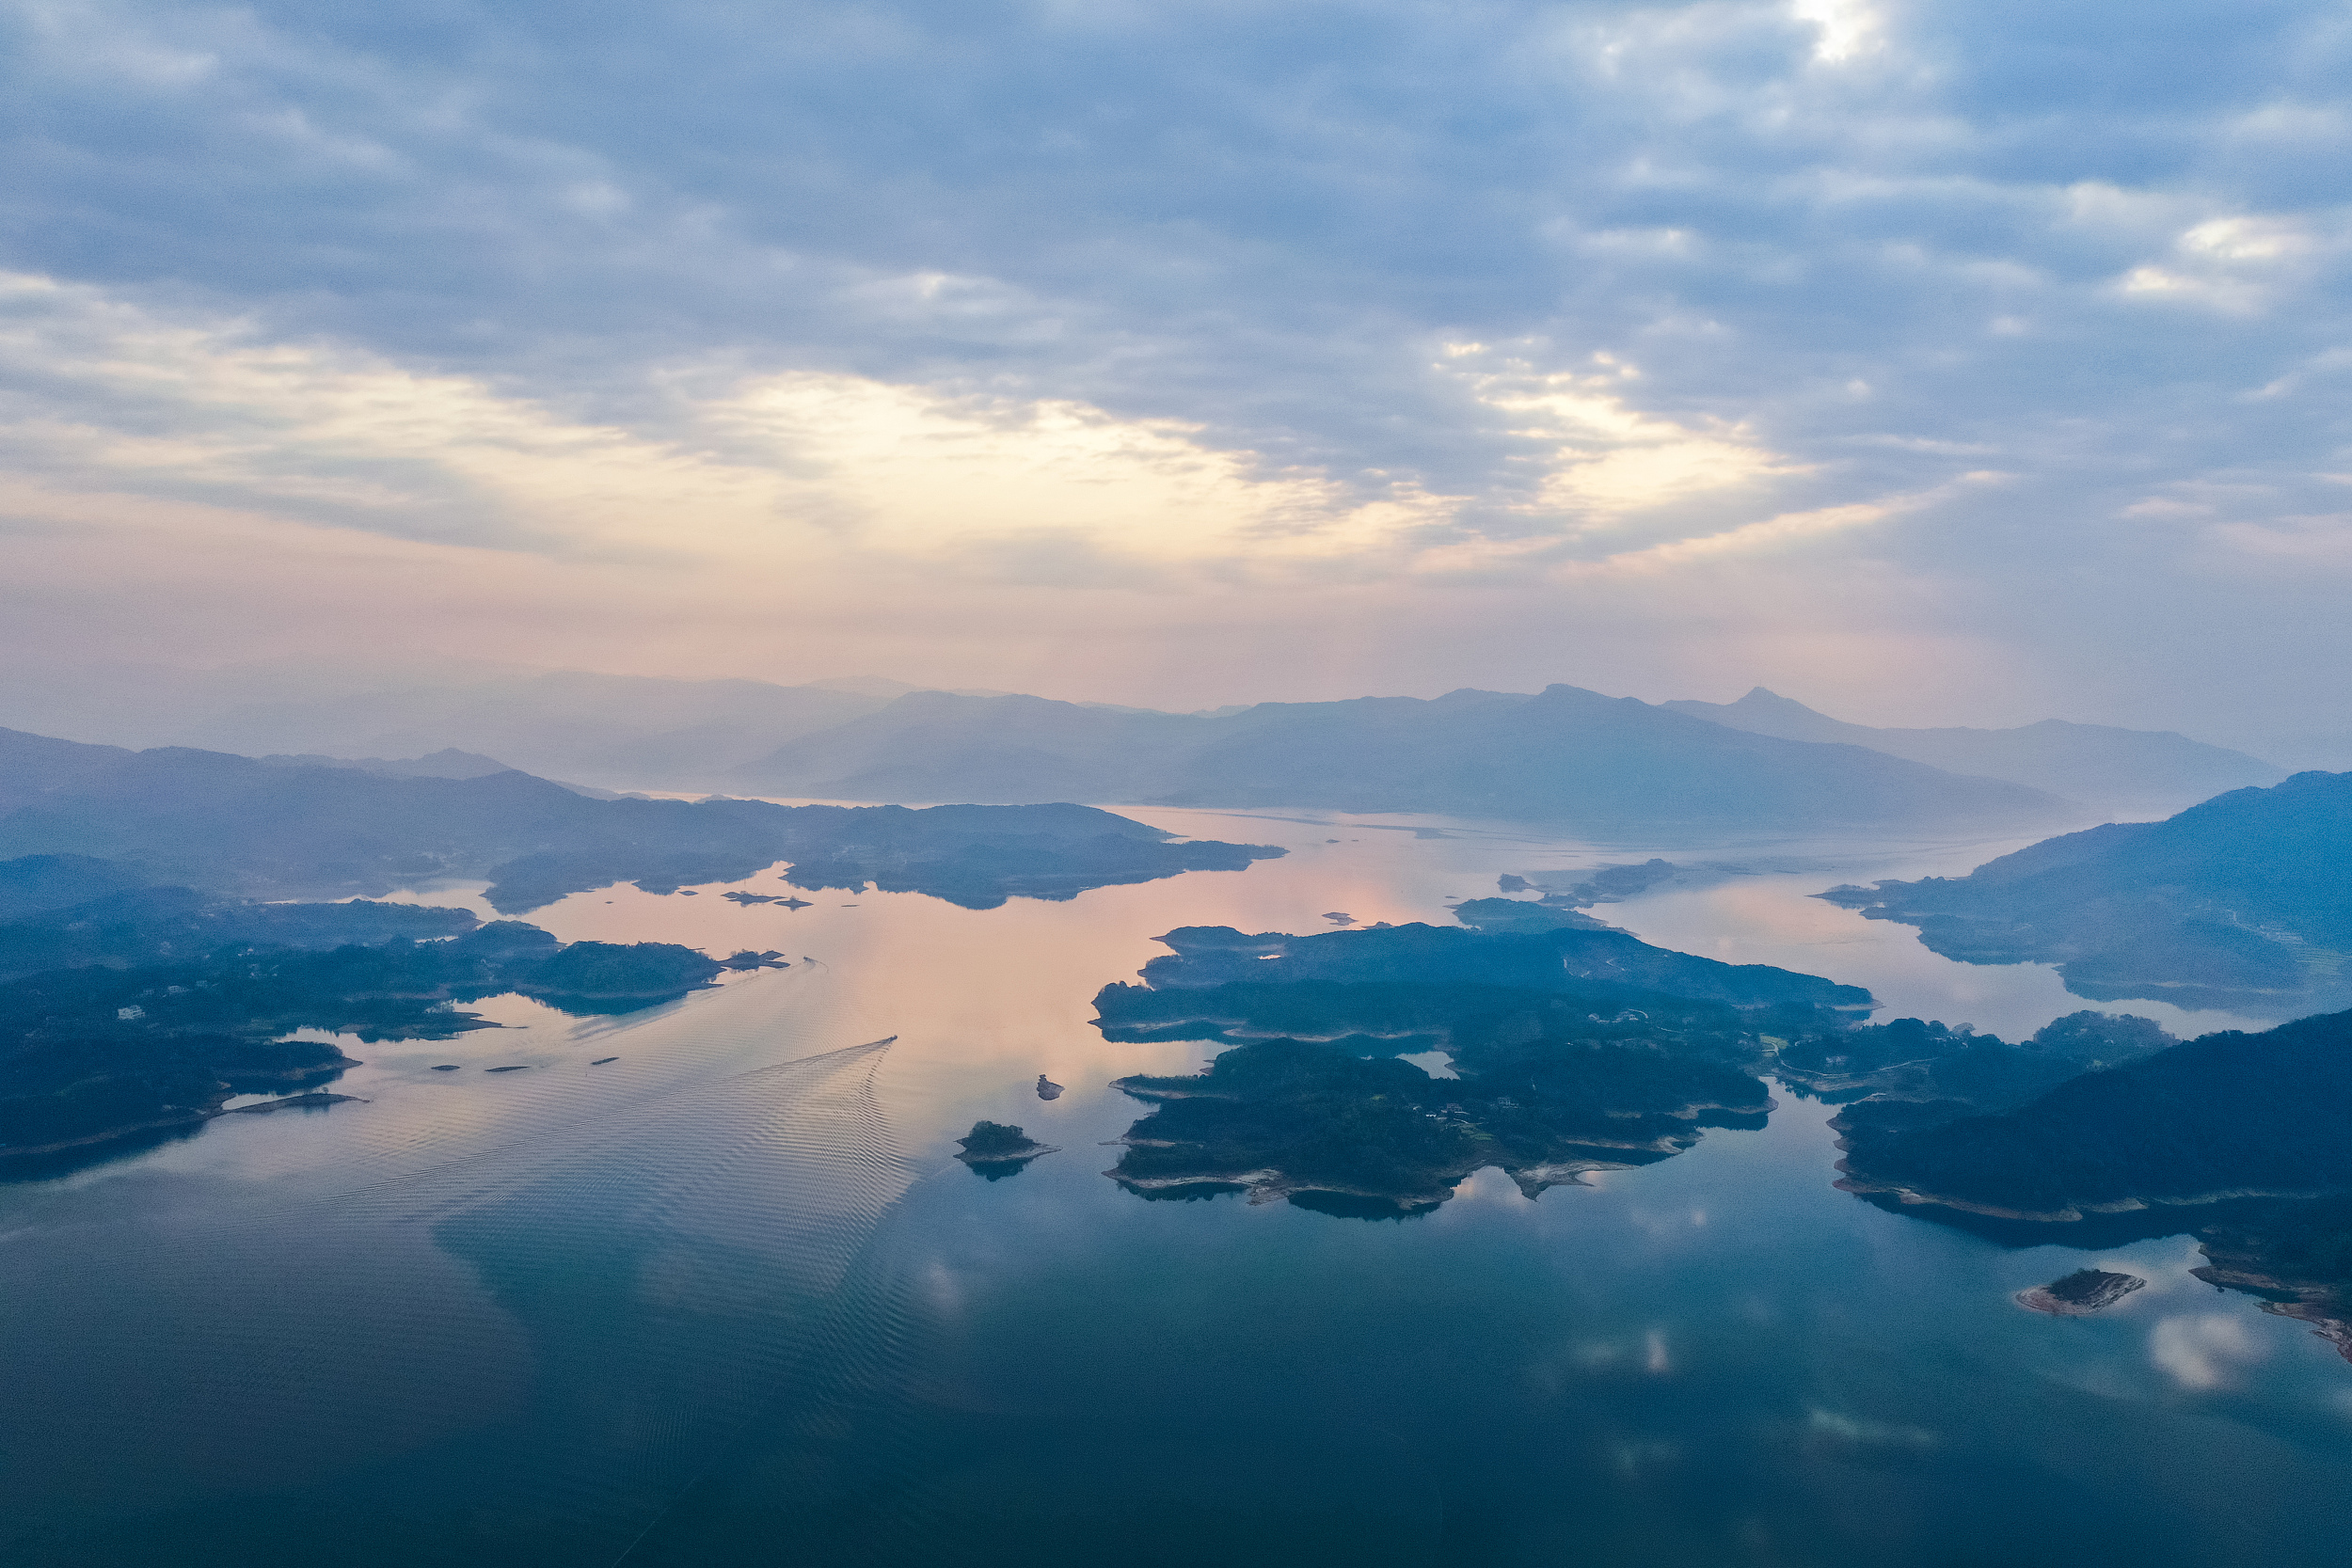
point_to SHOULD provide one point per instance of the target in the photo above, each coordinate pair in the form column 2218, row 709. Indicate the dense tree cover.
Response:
column 2230, row 1113
column 1304, row 1116
column 2297, row 1255
column 1561, row 960
column 1556, row 1075
column 100, row 1052
column 147, row 925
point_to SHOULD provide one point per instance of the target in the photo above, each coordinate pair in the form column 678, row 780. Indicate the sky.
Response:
column 1932, row 363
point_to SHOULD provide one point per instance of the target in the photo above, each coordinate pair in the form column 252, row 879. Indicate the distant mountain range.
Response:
column 231, row 824
column 610, row 732
column 616, row 732
column 1563, row 756
column 2242, row 902
column 447, row 762
column 2126, row 773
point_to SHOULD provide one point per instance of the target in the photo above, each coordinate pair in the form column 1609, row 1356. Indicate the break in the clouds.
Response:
column 1987, row 359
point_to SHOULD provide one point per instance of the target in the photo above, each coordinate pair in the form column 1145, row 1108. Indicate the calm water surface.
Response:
column 727, row 1300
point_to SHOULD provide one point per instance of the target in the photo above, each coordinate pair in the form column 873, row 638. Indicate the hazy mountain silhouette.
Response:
column 33, row 883
column 232, row 824
column 620, row 732
column 33, row 765
column 2127, row 771
column 1564, row 756
column 2241, row 902
column 448, row 763
column 873, row 739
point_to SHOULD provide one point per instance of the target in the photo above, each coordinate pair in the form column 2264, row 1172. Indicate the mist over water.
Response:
column 724, row 1298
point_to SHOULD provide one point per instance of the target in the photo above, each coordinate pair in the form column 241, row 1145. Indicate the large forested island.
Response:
column 2240, row 903
column 231, row 824
column 1558, row 958
column 1572, row 1050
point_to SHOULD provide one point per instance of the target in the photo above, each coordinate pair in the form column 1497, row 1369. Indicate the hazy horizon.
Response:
column 96, row 692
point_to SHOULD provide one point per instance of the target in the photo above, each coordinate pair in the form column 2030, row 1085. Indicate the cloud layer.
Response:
column 1940, row 361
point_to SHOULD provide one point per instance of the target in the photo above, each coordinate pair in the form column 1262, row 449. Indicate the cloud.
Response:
column 2202, row 1350
column 761, row 470
column 1033, row 303
column 115, row 397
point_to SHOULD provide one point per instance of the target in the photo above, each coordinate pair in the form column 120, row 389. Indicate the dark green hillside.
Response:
column 2226, row 1113
column 1559, row 960
column 1303, row 1118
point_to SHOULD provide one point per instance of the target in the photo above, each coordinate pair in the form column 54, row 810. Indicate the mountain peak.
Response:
column 1762, row 698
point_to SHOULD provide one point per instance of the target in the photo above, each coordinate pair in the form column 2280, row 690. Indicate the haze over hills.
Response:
column 641, row 733
column 2128, row 772
column 232, row 824
column 2240, row 902
column 447, row 762
column 1565, row 757
column 456, row 719
column 616, row 732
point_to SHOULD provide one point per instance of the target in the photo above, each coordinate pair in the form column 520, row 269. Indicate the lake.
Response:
column 725, row 1298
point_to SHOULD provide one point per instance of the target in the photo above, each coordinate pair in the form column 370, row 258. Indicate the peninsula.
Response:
column 2238, row 903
